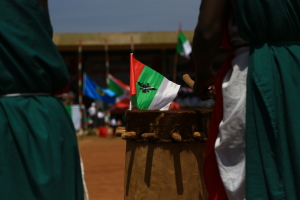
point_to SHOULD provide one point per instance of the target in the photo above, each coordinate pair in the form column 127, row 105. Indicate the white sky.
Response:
column 74, row 16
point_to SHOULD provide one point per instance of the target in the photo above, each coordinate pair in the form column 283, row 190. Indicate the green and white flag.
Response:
column 149, row 89
column 74, row 112
column 183, row 46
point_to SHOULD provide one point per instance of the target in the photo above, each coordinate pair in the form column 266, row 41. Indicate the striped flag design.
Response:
column 149, row 89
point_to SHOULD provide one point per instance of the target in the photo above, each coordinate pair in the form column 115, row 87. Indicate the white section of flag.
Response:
column 187, row 49
column 165, row 94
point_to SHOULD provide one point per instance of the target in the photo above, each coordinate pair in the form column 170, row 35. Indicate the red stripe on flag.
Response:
column 62, row 91
column 119, row 82
column 136, row 69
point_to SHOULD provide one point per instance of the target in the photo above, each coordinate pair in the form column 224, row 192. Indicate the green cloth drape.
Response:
column 273, row 95
column 39, row 158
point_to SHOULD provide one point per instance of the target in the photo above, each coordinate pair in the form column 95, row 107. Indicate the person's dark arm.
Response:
column 206, row 42
column 44, row 4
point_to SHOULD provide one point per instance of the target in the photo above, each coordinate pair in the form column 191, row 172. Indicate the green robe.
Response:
column 273, row 97
column 39, row 157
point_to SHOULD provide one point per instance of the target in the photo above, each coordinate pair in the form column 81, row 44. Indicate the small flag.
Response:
column 92, row 90
column 183, row 46
column 149, row 89
column 120, row 89
column 74, row 112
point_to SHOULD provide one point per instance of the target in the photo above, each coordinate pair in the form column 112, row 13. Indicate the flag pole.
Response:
column 176, row 57
column 80, row 72
column 80, row 84
column 131, row 44
column 106, row 61
column 175, row 67
column 81, row 108
column 104, row 105
column 130, row 103
column 132, row 51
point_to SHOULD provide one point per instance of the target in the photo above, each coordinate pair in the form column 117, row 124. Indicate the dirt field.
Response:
column 104, row 163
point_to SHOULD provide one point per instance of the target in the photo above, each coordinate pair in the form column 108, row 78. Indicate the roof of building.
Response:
column 118, row 41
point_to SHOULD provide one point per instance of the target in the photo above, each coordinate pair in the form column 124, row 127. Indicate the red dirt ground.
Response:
column 104, row 164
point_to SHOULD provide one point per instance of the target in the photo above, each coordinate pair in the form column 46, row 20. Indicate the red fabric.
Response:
column 136, row 68
column 119, row 82
column 174, row 106
column 214, row 184
column 122, row 104
column 213, row 181
column 125, row 101
column 62, row 91
column 102, row 131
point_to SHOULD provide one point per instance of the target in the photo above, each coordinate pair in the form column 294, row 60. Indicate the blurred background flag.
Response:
column 183, row 47
column 149, row 89
column 120, row 89
column 74, row 112
column 92, row 90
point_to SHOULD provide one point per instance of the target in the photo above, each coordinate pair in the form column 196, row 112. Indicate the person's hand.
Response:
column 201, row 87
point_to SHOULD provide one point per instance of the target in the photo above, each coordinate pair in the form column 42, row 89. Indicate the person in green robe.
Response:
column 39, row 157
column 270, row 30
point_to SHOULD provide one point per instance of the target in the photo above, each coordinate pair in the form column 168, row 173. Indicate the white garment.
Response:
column 230, row 143
column 113, row 122
column 100, row 115
column 92, row 110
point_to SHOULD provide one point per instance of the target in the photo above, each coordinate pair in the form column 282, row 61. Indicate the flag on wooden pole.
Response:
column 149, row 89
column 183, row 47
column 94, row 91
column 121, row 90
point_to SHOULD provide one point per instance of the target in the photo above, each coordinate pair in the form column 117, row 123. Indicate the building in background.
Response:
column 155, row 49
